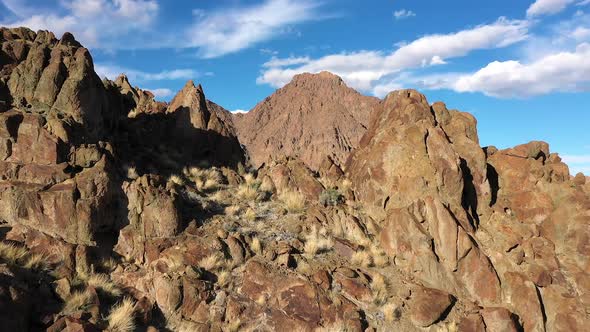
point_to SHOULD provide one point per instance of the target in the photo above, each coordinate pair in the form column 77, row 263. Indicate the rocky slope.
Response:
column 314, row 117
column 122, row 213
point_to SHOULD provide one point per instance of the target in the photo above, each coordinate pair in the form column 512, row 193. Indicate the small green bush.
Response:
column 331, row 197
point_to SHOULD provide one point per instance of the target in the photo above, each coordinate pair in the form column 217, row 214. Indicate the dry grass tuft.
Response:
column 390, row 311
column 247, row 192
column 250, row 214
column 362, row 258
column 212, row 262
column 20, row 256
column 233, row 210
column 294, row 201
column 317, row 242
column 249, row 178
column 12, row 254
column 121, row 318
column 131, row 172
column 256, row 246
column 35, row 262
column 103, row 283
column 380, row 288
column 76, row 301
column 223, row 278
column 176, row 179
column 379, row 256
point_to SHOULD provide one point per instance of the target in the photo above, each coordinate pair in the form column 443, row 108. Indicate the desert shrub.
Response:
column 294, row 201
column 331, row 197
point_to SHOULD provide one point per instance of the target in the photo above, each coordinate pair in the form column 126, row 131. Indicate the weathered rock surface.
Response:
column 496, row 227
column 106, row 193
column 314, row 116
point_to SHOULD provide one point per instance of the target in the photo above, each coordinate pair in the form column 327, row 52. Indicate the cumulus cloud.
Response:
column 577, row 163
column 96, row 23
column 113, row 71
column 363, row 69
column 559, row 72
column 229, row 30
column 403, row 13
column 547, row 7
column 162, row 92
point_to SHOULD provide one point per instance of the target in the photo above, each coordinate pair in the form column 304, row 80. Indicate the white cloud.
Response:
column 576, row 159
column 230, row 30
column 577, row 163
column 113, row 71
column 403, row 13
column 239, row 111
column 563, row 71
column 364, row 69
column 95, row 23
column 547, row 7
column 162, row 92
column 285, row 62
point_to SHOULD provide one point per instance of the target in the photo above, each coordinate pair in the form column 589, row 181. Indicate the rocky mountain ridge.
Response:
column 123, row 213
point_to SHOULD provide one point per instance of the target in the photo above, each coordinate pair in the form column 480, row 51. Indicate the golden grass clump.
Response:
column 256, row 246
column 76, row 301
column 380, row 288
column 390, row 311
column 246, row 192
column 20, row 256
column 131, row 172
column 176, row 179
column 317, row 241
column 294, row 201
column 250, row 214
column 223, row 278
column 212, row 261
column 232, row 210
column 12, row 254
column 362, row 258
column 103, row 283
column 122, row 316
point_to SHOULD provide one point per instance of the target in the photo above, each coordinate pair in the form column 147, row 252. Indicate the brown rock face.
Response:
column 55, row 77
column 314, row 116
column 497, row 227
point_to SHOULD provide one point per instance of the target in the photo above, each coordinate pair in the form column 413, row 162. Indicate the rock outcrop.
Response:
column 108, row 196
column 313, row 117
column 500, row 228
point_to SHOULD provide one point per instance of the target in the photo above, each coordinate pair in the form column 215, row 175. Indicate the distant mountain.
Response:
column 313, row 117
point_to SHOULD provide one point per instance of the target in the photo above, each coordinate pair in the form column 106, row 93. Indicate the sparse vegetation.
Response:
column 256, row 246
column 121, row 318
column 20, row 256
column 212, row 261
column 317, row 242
column 379, row 287
column 77, row 301
column 250, row 214
column 246, row 192
column 131, row 172
column 176, row 179
column 362, row 258
column 100, row 281
column 232, row 210
column 331, row 197
column 294, row 201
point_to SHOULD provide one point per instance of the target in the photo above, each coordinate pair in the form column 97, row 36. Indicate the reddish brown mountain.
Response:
column 314, row 116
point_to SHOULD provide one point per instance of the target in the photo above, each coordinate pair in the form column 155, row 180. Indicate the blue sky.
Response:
column 522, row 67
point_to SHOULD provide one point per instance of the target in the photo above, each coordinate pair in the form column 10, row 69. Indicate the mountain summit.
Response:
column 313, row 117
